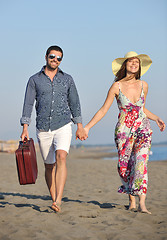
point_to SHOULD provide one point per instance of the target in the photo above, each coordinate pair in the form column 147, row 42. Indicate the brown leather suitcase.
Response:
column 26, row 162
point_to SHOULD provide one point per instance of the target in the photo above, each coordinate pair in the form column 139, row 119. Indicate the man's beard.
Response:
column 50, row 67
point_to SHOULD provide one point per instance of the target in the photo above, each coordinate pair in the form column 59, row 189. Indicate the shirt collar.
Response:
column 43, row 70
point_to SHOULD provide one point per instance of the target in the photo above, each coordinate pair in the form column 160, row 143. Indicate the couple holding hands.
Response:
column 57, row 99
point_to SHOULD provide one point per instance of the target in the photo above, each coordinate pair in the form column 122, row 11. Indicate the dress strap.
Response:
column 119, row 86
column 142, row 84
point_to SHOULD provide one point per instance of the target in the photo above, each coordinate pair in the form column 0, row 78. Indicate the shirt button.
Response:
column 52, row 101
column 52, row 110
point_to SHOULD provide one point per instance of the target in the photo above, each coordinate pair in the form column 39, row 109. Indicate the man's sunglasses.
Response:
column 52, row 56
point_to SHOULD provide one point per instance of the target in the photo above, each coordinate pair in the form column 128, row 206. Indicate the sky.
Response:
column 92, row 33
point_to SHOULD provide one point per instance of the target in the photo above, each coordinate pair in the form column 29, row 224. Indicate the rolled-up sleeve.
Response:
column 29, row 99
column 74, row 103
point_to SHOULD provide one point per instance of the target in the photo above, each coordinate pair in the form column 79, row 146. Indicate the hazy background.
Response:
column 92, row 34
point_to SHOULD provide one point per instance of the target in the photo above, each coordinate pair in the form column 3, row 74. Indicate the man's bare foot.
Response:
column 56, row 207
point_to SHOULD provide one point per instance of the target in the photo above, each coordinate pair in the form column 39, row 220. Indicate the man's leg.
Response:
column 56, row 180
column 45, row 140
column 62, row 141
column 55, row 161
column 61, row 174
column 55, row 176
column 50, row 179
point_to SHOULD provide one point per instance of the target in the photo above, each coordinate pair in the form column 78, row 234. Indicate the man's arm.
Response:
column 74, row 104
column 27, row 107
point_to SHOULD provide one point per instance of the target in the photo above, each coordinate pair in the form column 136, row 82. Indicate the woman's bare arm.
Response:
column 151, row 115
column 113, row 91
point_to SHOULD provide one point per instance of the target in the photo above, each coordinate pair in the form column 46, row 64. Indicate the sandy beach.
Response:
column 91, row 208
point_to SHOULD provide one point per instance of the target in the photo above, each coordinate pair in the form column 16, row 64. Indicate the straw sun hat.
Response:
column 145, row 62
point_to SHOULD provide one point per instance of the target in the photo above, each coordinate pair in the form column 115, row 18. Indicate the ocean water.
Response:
column 157, row 153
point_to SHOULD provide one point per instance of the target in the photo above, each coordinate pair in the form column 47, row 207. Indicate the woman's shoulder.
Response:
column 115, row 88
column 145, row 84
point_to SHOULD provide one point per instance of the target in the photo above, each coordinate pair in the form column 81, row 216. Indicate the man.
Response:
column 56, row 100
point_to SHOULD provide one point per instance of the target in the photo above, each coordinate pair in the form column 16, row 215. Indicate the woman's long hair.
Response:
column 122, row 72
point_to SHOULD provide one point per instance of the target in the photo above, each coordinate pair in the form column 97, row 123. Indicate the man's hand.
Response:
column 81, row 133
column 25, row 132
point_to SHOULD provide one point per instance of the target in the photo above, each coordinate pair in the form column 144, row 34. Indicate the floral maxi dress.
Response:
column 133, row 136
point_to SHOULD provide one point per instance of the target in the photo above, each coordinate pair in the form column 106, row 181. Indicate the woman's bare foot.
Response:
column 132, row 202
column 142, row 207
column 56, row 207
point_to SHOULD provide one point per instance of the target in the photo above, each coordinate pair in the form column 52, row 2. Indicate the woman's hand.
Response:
column 160, row 124
column 86, row 132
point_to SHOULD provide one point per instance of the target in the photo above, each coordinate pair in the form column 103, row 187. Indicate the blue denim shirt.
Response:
column 56, row 101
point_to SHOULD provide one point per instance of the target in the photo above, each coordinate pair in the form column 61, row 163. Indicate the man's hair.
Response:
column 56, row 48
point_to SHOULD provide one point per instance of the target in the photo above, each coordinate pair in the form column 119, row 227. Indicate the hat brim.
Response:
column 145, row 63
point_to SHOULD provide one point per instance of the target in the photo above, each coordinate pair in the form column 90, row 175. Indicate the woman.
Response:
column 133, row 132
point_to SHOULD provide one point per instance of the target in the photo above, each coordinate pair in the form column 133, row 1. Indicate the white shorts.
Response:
column 51, row 141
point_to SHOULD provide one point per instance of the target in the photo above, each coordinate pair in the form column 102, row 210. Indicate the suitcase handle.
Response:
column 23, row 144
column 25, row 140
